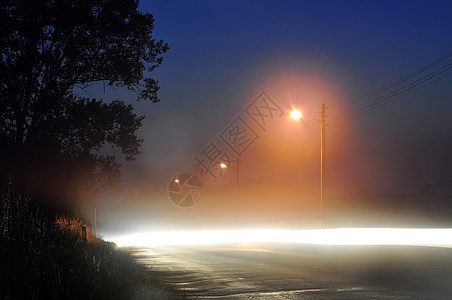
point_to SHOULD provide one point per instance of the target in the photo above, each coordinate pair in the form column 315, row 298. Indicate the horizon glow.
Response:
column 430, row 237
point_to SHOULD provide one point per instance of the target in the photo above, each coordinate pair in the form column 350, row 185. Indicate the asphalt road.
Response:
column 297, row 271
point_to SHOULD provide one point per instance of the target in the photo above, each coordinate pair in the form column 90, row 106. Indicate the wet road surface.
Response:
column 303, row 271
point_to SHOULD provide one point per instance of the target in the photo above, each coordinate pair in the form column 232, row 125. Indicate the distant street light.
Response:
column 225, row 166
column 296, row 114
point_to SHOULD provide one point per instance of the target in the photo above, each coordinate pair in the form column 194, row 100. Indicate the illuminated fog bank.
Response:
column 340, row 236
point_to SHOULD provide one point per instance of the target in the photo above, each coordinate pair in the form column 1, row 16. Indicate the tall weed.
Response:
column 40, row 259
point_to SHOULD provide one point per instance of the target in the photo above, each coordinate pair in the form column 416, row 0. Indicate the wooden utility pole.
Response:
column 238, row 173
column 322, row 160
column 94, row 221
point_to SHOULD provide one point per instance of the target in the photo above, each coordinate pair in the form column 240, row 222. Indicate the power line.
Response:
column 403, row 79
column 406, row 94
column 404, row 90
column 401, row 87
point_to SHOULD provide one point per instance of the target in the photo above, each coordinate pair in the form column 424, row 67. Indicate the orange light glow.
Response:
column 223, row 165
column 176, row 180
column 296, row 114
column 289, row 148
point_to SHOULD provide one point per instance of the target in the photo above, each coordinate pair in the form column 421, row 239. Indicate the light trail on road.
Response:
column 431, row 237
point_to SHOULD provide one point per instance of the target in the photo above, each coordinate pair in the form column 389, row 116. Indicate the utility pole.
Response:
column 322, row 159
column 94, row 221
column 296, row 114
column 238, row 173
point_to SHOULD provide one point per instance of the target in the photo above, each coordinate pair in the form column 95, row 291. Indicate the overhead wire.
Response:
column 400, row 88
column 403, row 79
column 415, row 90
column 403, row 91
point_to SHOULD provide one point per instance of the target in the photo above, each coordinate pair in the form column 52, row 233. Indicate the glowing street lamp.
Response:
column 224, row 166
column 296, row 115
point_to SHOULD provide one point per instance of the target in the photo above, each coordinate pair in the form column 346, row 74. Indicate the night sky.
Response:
column 224, row 54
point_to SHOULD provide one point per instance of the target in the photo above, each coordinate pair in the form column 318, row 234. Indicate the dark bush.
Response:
column 41, row 260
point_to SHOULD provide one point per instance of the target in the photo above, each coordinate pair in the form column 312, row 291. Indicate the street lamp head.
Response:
column 296, row 114
column 223, row 165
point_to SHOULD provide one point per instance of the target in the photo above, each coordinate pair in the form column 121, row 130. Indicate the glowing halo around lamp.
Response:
column 296, row 114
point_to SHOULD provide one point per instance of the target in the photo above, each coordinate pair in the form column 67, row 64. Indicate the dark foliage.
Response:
column 40, row 260
column 49, row 48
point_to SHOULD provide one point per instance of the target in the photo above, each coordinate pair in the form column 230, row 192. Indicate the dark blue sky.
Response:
column 302, row 54
column 224, row 53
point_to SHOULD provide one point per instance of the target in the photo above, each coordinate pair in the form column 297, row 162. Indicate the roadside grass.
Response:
column 40, row 259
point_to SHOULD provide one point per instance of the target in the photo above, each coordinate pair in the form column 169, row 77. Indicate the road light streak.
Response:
column 340, row 236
